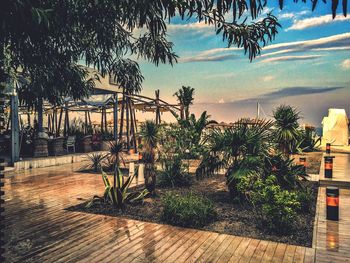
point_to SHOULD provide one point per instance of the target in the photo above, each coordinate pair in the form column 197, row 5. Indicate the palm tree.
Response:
column 150, row 136
column 185, row 96
column 287, row 133
column 197, row 125
column 239, row 149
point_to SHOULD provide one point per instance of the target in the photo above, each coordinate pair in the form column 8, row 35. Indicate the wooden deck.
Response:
column 341, row 171
column 332, row 239
column 39, row 229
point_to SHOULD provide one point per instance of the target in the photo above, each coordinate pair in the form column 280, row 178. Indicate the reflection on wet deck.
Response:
column 40, row 230
column 332, row 239
column 341, row 171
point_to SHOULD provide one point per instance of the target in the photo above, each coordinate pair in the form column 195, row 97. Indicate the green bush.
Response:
column 306, row 198
column 173, row 173
column 276, row 208
column 189, row 211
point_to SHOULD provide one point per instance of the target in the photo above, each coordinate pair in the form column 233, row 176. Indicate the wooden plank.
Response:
column 196, row 254
column 259, row 251
column 299, row 254
column 309, row 255
column 176, row 246
column 166, row 246
column 279, row 252
column 270, row 251
column 227, row 254
column 212, row 248
column 190, row 250
column 184, row 247
column 289, row 254
column 220, row 250
column 249, row 251
column 240, row 250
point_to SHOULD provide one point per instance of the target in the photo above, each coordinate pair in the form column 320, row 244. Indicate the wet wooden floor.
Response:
column 39, row 229
column 332, row 239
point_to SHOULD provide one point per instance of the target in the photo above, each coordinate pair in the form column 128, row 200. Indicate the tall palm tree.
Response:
column 287, row 132
column 185, row 96
column 150, row 136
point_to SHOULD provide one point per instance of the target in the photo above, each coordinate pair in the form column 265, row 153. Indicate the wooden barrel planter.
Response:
column 86, row 144
column 41, row 147
column 56, row 146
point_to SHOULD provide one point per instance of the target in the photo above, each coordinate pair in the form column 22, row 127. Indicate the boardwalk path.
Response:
column 40, row 230
column 332, row 239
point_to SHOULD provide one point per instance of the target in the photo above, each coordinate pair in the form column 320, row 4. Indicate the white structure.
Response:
column 336, row 128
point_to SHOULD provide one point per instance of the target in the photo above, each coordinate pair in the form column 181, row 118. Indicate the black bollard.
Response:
column 328, row 166
column 328, row 148
column 332, row 201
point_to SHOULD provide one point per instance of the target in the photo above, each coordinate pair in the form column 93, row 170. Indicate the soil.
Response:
column 313, row 161
column 233, row 218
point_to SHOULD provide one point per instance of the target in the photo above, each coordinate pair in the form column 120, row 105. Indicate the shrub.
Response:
column 305, row 198
column 173, row 172
column 189, row 211
column 275, row 208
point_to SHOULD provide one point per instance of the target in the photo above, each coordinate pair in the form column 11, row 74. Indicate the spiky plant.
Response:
column 95, row 161
column 287, row 132
column 150, row 137
column 115, row 158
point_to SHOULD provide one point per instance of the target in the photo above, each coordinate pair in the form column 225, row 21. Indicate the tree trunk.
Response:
column 40, row 114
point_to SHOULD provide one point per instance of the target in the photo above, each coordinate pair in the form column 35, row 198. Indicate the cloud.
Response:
column 294, row 15
column 316, row 21
column 220, row 75
column 346, row 64
column 340, row 42
column 287, row 92
column 203, row 58
column 193, row 28
column 290, row 58
column 268, row 78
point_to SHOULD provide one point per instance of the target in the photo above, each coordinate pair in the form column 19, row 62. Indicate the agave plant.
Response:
column 95, row 161
column 118, row 195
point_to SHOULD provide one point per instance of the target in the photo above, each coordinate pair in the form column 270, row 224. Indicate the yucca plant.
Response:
column 150, row 137
column 287, row 132
column 95, row 161
column 119, row 195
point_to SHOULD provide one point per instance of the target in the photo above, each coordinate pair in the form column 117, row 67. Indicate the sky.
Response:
column 306, row 66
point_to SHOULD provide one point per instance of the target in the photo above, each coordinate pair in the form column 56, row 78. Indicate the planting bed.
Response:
column 232, row 217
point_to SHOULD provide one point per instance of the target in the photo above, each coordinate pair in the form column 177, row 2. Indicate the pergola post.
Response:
column 115, row 117
column 14, row 127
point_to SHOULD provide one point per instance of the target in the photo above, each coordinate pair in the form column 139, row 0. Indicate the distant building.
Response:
column 336, row 128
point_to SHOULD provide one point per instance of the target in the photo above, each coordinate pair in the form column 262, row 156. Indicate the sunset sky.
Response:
column 308, row 66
